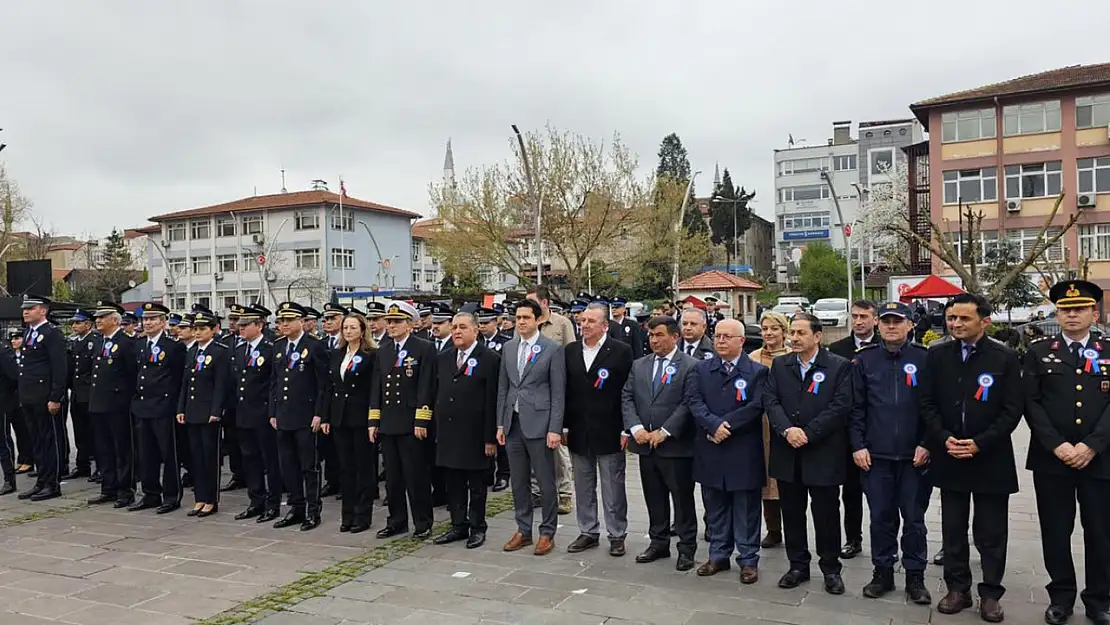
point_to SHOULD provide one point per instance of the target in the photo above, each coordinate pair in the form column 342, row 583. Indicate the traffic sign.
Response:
column 847, row 230
column 261, row 259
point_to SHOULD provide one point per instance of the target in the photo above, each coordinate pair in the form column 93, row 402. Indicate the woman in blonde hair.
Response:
column 773, row 327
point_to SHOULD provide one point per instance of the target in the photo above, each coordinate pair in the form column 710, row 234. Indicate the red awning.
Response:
column 931, row 286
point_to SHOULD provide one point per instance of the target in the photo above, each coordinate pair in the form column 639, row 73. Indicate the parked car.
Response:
column 794, row 300
column 832, row 311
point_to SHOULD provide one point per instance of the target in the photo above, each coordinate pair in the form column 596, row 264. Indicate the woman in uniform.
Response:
column 200, row 408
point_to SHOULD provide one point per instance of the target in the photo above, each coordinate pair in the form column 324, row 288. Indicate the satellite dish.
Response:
column 131, row 283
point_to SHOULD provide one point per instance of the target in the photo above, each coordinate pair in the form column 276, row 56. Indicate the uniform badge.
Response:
column 985, row 382
column 304, row 353
column 114, row 348
column 161, row 356
column 742, row 389
column 707, row 356
column 90, row 345
column 408, row 371
column 627, row 329
column 260, row 360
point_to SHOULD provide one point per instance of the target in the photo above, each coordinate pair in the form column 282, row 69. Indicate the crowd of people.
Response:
column 449, row 404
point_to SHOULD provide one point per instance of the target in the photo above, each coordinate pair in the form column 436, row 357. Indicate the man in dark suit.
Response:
column 694, row 342
column 864, row 321
column 299, row 390
column 400, row 417
column 808, row 398
column 42, row 390
column 161, row 363
column 662, row 430
column 332, row 320
column 971, row 401
column 623, row 328
column 253, row 369
column 1067, row 394
column 466, row 428
column 80, row 380
column 596, row 370
column 9, row 402
column 113, row 386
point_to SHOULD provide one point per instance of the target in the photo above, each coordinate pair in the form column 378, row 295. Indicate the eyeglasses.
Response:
column 725, row 337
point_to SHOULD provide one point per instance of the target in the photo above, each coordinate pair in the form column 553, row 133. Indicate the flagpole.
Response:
column 342, row 234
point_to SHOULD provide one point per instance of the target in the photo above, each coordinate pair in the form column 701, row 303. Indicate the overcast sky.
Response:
column 117, row 110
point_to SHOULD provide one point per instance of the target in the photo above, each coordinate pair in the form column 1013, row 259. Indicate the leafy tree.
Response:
column 112, row 274
column 461, row 283
column 674, row 166
column 729, row 215
column 822, row 272
column 1020, row 291
column 651, row 261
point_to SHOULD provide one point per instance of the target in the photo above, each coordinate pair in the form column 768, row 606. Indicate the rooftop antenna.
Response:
column 283, row 180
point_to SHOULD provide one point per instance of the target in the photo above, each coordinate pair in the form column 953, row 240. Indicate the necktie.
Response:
column 689, row 350
column 968, row 351
column 1075, row 348
column 660, row 368
column 288, row 348
column 461, row 359
column 522, row 357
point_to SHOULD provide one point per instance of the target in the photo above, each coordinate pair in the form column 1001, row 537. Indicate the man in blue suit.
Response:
column 725, row 395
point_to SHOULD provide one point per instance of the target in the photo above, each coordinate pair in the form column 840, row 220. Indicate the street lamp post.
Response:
column 844, row 225
column 863, row 192
column 537, row 204
column 677, row 230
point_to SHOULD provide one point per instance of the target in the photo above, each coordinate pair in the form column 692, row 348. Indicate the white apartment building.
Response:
column 427, row 272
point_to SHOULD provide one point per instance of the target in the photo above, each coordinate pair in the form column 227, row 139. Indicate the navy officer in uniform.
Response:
column 113, row 385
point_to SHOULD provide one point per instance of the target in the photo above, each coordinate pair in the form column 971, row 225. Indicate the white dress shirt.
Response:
column 669, row 358
column 346, row 361
column 589, row 354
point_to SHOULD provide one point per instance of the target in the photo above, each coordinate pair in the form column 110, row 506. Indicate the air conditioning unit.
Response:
column 167, row 281
column 1013, row 206
column 217, row 276
column 165, row 242
column 1086, row 200
column 258, row 239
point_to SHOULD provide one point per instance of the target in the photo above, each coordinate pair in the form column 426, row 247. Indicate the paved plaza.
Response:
column 66, row 563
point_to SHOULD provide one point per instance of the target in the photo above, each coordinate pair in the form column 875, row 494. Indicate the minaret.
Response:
column 717, row 176
column 449, row 168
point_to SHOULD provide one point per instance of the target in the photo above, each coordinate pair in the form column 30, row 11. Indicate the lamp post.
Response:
column 863, row 192
column 538, row 203
column 677, row 237
column 847, row 233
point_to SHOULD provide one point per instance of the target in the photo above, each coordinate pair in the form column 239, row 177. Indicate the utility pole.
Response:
column 678, row 235
column 844, row 230
column 536, row 204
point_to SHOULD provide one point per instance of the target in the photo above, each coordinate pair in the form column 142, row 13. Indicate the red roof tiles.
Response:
column 1071, row 77
column 717, row 280
column 284, row 200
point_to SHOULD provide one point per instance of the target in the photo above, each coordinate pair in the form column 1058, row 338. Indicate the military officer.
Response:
column 253, row 364
column 161, row 362
column 297, row 399
column 623, row 328
column 200, row 407
column 80, row 380
column 311, row 316
column 113, row 385
column 400, row 416
column 333, row 324
column 374, row 313
column 1067, row 394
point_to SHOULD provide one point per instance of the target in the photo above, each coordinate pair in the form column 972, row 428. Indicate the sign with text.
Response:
column 795, row 235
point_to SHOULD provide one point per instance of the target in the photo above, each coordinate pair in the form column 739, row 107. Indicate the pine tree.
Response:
column 726, row 197
column 674, row 165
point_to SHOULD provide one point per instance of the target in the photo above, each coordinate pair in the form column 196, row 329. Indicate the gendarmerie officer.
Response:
column 161, row 362
column 400, row 416
column 42, row 390
column 298, row 399
column 113, row 385
column 80, row 381
column 253, row 370
column 1067, row 394
column 200, row 407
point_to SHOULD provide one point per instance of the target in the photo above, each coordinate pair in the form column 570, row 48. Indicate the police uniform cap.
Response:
column 424, row 311
column 291, row 310
column 897, row 309
column 709, row 299
column 331, row 310
column 30, row 301
column 441, row 313
column 81, row 314
column 485, row 315
column 582, row 295
column 201, row 308
column 401, row 310
column 186, row 321
column 621, row 302
column 1075, row 294
column 205, row 320
column 352, row 310
column 311, row 313
column 129, row 318
column 578, row 305
column 154, row 309
column 15, row 333
column 105, row 308
column 235, row 311
column 374, row 310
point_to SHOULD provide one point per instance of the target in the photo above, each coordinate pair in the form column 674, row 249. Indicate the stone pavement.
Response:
column 100, row 565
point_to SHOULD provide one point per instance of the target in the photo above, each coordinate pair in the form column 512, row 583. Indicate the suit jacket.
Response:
column 80, row 367
column 204, row 389
column 114, row 373
column 717, row 397
column 466, row 408
column 628, row 331
column 846, row 347
column 537, row 394
column 949, row 407
column 662, row 408
column 350, row 392
column 43, row 366
column 495, row 343
column 253, row 371
column 448, row 345
column 300, row 385
column 703, row 350
column 405, row 387
column 158, row 389
column 593, row 397
column 823, row 416
column 9, row 379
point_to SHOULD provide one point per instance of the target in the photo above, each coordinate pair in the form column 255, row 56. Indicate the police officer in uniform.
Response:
column 200, row 407
column 1067, row 394
column 80, row 380
column 423, row 323
column 9, row 403
column 488, row 335
column 186, row 337
column 624, row 329
column 229, row 445
column 400, row 417
column 253, row 370
column 441, row 327
column 129, row 324
column 297, row 400
column 172, row 322
column 113, row 385
column 374, row 313
column 311, row 316
column 42, row 390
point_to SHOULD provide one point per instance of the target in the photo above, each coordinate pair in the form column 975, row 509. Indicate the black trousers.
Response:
column 407, row 474
column 667, row 480
column 300, row 469
column 261, row 466
column 502, row 470
column 1056, row 499
column 851, row 494
column 159, row 470
column 46, row 431
column 7, row 449
column 436, row 474
column 204, row 442
column 24, row 444
column 82, row 434
column 231, row 446
column 114, row 453
column 466, row 498
column 184, row 451
column 332, row 465
column 823, row 503
column 990, row 532
column 358, row 472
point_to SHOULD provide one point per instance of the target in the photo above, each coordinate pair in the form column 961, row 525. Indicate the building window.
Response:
column 1027, row 241
column 176, row 232
column 988, row 240
column 306, row 220
column 204, row 300
column 1093, row 111
column 202, row 265
column 227, row 264
column 175, row 268
column 415, row 251
column 225, row 227
column 1028, row 119
column 803, row 165
column 967, row 125
column 250, row 261
column 344, row 221
column 1094, row 241
column 430, row 276
column 177, row 302
column 844, row 163
column 201, row 229
column 416, row 279
column 306, row 259
column 342, row 259
column 882, row 160
column 803, row 221
column 1035, row 180
column 971, row 185
column 1094, row 174
column 252, row 224
column 227, row 299
column 250, row 296
column 795, row 194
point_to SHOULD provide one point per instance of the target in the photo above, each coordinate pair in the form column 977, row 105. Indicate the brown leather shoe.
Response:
column 990, row 610
column 517, row 542
column 749, row 575
column 711, row 568
column 544, row 546
column 954, row 602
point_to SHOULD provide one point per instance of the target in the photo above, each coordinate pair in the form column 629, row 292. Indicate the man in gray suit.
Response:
column 662, row 430
column 530, row 401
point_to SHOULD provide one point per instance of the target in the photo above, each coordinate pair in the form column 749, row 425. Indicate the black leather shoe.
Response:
column 100, row 499
column 582, row 543
column 358, row 528
column 500, row 485
column 616, row 547
column 289, row 520
column 452, row 535
column 684, row 562
column 123, row 503
column 834, row 585
column 46, row 493
column 711, row 568
column 234, row 484
column 938, row 559
column 96, row 478
column 851, row 549
column 477, row 539
column 144, row 504
column 167, row 508
column 1057, row 614
column 1099, row 618
column 329, row 490
column 389, row 532
column 793, row 578
column 344, row 528
column 27, row 494
column 423, row 534
column 76, row 474
column 310, row 523
column 267, row 516
column 8, row 488
column 249, row 513
column 209, row 512
column 651, row 554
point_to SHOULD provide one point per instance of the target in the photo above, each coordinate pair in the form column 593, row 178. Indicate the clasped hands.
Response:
column 1076, row 456
column 654, row 438
column 961, row 448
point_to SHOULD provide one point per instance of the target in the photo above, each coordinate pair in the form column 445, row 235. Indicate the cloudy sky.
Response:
column 117, row 110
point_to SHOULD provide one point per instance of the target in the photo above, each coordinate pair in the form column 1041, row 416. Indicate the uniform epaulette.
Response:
column 867, row 346
column 1039, row 339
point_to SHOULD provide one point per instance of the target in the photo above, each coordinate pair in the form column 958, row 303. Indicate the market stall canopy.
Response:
column 930, row 287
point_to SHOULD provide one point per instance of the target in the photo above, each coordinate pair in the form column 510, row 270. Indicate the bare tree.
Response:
column 38, row 245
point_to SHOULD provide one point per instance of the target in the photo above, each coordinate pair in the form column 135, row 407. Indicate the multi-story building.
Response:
column 297, row 245
column 427, row 271
column 1008, row 149
column 757, row 250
